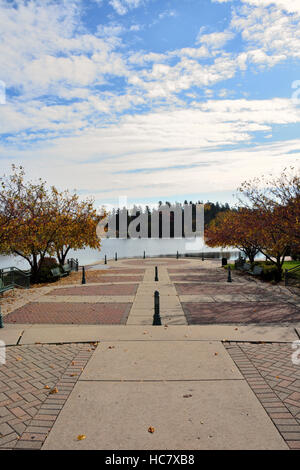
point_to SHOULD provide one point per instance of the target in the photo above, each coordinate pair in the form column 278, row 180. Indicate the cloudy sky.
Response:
column 150, row 99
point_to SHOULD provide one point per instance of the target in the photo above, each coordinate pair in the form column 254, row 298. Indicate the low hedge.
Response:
column 45, row 269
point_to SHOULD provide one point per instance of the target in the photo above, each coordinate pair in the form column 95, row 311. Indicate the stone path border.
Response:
column 37, row 429
column 286, row 419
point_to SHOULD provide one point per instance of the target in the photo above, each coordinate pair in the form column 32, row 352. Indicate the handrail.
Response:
column 292, row 269
column 10, row 268
column 14, row 277
column 288, row 274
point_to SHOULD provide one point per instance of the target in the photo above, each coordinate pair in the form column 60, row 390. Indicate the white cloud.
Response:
column 122, row 6
column 215, row 40
column 181, row 143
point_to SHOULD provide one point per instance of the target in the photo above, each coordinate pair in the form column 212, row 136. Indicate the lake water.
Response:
column 132, row 248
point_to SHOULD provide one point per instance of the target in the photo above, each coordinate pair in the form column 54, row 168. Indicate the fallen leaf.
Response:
column 111, row 347
column 73, row 375
column 18, row 359
column 151, row 429
column 81, row 437
column 47, row 387
column 187, row 396
column 216, row 353
column 54, row 390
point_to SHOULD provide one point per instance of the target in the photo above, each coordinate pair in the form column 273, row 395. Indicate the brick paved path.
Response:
column 71, row 313
column 275, row 380
column 27, row 409
column 110, row 289
column 240, row 312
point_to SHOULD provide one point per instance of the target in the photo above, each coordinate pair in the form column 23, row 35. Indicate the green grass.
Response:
column 290, row 264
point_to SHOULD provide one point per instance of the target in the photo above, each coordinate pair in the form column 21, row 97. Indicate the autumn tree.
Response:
column 277, row 203
column 78, row 222
column 45, row 221
column 234, row 228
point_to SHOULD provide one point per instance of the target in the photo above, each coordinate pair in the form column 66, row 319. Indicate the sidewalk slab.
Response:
column 167, row 360
column 115, row 416
column 82, row 333
column 10, row 334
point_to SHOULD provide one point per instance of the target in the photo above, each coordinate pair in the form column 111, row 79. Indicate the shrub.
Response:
column 270, row 273
column 44, row 274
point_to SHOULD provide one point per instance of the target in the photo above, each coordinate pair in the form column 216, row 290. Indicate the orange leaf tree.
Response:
column 234, row 228
column 78, row 222
column 44, row 221
column 277, row 203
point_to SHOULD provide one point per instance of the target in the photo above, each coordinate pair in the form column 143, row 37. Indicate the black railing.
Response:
column 14, row 277
column 292, row 276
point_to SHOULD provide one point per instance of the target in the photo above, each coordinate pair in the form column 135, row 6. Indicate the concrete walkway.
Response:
column 199, row 386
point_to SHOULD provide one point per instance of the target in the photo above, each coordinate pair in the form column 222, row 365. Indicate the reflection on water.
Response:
column 132, row 248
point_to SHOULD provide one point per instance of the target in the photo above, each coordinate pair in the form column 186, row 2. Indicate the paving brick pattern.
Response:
column 156, row 262
column 71, row 313
column 211, row 289
column 201, row 278
column 98, row 277
column 116, row 271
column 275, row 380
column 239, row 312
column 28, row 409
column 109, row 289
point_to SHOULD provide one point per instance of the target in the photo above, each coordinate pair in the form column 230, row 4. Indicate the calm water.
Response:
column 133, row 248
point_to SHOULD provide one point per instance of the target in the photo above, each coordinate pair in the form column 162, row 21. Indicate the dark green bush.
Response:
column 45, row 269
column 270, row 273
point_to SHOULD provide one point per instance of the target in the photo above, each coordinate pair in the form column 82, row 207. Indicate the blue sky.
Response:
column 150, row 99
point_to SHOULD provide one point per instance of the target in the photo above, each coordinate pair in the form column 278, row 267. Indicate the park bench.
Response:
column 257, row 270
column 246, row 267
column 56, row 272
column 67, row 268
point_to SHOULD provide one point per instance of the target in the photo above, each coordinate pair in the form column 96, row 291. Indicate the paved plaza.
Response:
column 86, row 360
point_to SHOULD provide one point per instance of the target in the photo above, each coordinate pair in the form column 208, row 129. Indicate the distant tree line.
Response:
column 211, row 210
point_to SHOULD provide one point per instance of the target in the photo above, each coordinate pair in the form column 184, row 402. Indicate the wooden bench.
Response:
column 257, row 270
column 67, row 268
column 246, row 267
column 56, row 272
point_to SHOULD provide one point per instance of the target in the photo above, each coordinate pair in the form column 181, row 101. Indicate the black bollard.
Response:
column 116, row 257
column 202, row 256
column 156, row 316
column 77, row 264
column 177, row 255
column 229, row 274
column 1, row 320
column 105, row 260
column 156, row 274
column 144, row 255
column 83, row 275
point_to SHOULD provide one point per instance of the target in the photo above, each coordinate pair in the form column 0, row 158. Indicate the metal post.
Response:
column 156, row 274
column 105, row 260
column 177, row 255
column 202, row 256
column 144, row 255
column 83, row 276
column 77, row 264
column 1, row 320
column 156, row 316
column 116, row 257
column 229, row 274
